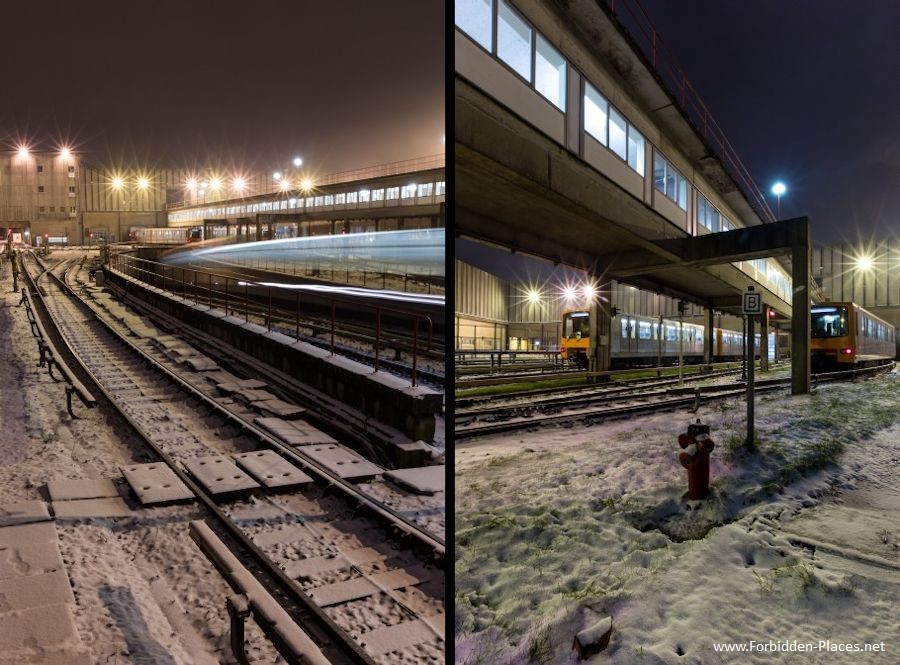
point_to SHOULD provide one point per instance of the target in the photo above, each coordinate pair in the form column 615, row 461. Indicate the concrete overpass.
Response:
column 534, row 173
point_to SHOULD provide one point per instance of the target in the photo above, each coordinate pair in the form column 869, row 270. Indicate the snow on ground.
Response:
column 144, row 592
column 558, row 528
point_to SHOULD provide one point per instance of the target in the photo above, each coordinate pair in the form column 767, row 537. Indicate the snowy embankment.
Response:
column 559, row 528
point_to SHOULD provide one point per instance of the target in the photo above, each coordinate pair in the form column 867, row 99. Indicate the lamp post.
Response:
column 778, row 189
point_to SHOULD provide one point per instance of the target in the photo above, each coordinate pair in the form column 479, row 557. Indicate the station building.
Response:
column 580, row 140
column 60, row 198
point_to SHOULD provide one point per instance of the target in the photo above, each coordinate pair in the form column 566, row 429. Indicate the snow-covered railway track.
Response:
column 568, row 411
column 364, row 582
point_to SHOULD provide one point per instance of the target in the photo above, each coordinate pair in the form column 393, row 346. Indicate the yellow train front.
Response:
column 576, row 326
column 844, row 336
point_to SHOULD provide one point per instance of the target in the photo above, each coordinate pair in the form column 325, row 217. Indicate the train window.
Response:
column 617, row 132
column 624, row 328
column 595, row 110
column 671, row 334
column 699, row 335
column 644, row 330
column 475, row 18
column 577, row 325
column 633, row 328
column 829, row 322
column 550, row 73
column 514, row 41
column 655, row 331
column 635, row 150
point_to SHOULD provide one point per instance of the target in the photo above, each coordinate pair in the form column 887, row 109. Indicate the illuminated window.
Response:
column 669, row 181
column 635, row 150
column 329, row 199
column 595, row 110
column 617, row 132
column 407, row 192
column 393, row 193
column 364, row 195
column 351, row 197
column 475, row 18
column 309, row 201
column 441, row 188
column 319, row 200
column 378, row 195
column 550, row 73
column 340, row 198
column 425, row 189
column 514, row 41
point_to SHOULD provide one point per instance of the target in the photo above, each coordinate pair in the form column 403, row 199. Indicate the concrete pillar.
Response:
column 599, row 350
column 258, row 228
column 708, row 341
column 801, row 252
column 764, row 340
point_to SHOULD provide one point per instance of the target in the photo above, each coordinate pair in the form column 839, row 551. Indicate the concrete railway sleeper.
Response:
column 115, row 367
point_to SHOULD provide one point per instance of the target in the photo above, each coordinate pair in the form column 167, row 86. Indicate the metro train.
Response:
column 844, row 335
column 642, row 340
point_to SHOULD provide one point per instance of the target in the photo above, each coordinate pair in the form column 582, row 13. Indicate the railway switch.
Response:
column 697, row 445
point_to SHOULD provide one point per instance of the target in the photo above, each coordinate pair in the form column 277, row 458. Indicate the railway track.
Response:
column 590, row 409
column 363, row 579
column 485, row 404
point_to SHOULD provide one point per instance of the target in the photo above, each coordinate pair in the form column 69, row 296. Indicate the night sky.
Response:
column 807, row 92
column 344, row 84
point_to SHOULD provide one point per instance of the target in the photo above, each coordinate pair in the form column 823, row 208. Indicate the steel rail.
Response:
column 596, row 415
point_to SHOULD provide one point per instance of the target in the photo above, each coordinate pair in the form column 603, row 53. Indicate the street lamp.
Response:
column 778, row 189
column 864, row 263
column 118, row 182
column 65, row 153
column 143, row 183
column 298, row 162
column 534, row 296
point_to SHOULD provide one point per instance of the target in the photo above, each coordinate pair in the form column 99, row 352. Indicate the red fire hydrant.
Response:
column 697, row 446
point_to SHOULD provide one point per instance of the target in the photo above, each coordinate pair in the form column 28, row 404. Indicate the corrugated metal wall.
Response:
column 836, row 268
column 479, row 294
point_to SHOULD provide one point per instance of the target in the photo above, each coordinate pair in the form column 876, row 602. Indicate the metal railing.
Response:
column 235, row 297
column 633, row 17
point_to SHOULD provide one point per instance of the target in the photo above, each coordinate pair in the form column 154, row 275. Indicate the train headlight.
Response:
column 847, row 351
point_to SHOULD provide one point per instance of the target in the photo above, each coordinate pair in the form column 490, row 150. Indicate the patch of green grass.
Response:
column 521, row 386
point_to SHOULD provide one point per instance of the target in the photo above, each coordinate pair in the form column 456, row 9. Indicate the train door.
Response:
column 627, row 341
column 772, row 343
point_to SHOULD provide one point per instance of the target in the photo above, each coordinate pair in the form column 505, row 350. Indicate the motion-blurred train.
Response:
column 844, row 335
column 638, row 341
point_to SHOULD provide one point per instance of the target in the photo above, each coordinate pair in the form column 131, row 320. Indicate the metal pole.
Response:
column 680, row 349
column 751, row 444
column 744, row 349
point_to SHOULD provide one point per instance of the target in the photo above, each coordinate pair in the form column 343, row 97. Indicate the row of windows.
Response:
column 41, row 189
column 61, row 209
column 609, row 127
column 647, row 330
column 517, row 44
column 668, row 181
column 532, row 57
column 40, row 169
column 876, row 330
column 421, row 190
column 709, row 217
